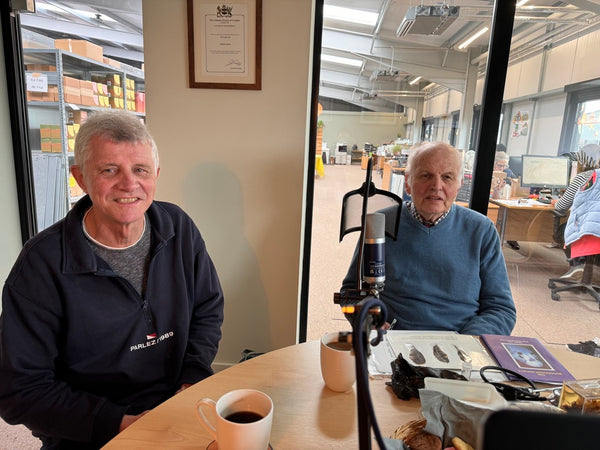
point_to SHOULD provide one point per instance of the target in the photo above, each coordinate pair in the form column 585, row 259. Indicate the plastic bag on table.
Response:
column 408, row 379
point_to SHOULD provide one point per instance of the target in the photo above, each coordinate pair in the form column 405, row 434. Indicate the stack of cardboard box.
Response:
column 130, row 94
column 51, row 138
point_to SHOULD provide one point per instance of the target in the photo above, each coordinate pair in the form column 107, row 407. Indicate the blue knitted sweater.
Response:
column 448, row 277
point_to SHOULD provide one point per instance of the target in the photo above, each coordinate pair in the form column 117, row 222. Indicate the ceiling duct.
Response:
column 427, row 20
column 384, row 75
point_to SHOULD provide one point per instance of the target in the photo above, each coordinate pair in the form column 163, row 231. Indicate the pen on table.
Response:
column 392, row 324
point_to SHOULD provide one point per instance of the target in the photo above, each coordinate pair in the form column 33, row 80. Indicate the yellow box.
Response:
column 71, row 144
column 113, row 79
column 115, row 91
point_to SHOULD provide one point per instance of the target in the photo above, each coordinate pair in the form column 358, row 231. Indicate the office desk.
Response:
column 526, row 222
column 306, row 413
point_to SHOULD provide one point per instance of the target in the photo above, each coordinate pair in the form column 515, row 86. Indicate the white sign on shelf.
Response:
column 37, row 82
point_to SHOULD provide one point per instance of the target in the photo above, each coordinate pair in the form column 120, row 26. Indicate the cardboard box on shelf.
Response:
column 81, row 47
column 116, row 102
column 40, row 68
column 56, row 131
column 46, row 144
column 72, row 95
column 112, row 62
column 53, row 93
column 33, row 96
column 74, row 189
column 140, row 102
column 71, row 82
column 45, row 131
column 56, row 145
column 50, row 131
column 76, row 116
column 86, row 85
column 113, row 79
column 115, row 91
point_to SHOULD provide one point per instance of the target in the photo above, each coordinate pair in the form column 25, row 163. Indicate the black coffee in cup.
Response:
column 243, row 417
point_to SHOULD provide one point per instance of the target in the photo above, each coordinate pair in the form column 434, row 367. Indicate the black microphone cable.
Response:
column 360, row 342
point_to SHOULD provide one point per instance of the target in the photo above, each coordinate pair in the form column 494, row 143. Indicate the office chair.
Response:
column 585, row 284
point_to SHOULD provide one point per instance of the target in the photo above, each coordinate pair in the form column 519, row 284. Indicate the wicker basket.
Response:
column 409, row 430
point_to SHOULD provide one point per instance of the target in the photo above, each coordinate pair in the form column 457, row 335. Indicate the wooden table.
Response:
column 306, row 413
column 531, row 221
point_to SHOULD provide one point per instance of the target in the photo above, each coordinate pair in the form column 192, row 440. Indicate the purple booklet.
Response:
column 526, row 356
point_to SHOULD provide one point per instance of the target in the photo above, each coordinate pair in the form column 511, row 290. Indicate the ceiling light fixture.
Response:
column 415, row 80
column 350, row 15
column 468, row 42
column 341, row 60
column 429, row 86
column 521, row 3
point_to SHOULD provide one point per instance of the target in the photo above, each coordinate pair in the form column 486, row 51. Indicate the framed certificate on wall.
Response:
column 224, row 44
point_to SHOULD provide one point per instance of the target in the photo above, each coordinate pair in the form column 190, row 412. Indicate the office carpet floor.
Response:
column 576, row 317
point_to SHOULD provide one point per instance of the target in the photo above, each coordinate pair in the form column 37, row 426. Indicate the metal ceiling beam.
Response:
column 120, row 53
column 586, row 5
column 126, row 6
column 85, row 31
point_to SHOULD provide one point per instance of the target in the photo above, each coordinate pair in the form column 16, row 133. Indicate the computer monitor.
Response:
column 550, row 172
column 515, row 163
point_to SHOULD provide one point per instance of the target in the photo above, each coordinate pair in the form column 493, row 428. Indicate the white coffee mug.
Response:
column 338, row 366
column 243, row 419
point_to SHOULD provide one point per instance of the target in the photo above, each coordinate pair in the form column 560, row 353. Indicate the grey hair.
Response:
column 417, row 154
column 114, row 125
column 501, row 156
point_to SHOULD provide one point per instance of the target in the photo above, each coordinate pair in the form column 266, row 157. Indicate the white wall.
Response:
column 361, row 127
column 235, row 161
column 10, row 233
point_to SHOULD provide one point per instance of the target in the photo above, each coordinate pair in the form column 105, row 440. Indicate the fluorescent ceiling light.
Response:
column 415, row 80
column 341, row 60
column 350, row 15
column 472, row 38
column 521, row 3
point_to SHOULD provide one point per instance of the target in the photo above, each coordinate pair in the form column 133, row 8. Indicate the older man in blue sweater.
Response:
column 446, row 270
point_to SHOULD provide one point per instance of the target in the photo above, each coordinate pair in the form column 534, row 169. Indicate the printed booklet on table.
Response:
column 526, row 356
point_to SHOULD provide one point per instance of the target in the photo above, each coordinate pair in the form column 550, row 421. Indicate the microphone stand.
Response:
column 366, row 312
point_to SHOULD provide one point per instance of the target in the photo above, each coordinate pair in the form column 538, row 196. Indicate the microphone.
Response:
column 374, row 251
